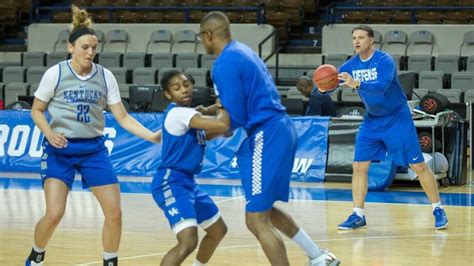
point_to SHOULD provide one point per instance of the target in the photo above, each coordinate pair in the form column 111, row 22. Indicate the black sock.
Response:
column 111, row 262
column 36, row 257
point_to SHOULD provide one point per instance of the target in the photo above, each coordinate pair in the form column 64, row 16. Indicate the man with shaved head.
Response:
column 247, row 91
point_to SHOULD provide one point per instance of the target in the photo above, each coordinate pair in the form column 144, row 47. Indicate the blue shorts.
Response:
column 393, row 134
column 89, row 157
column 182, row 201
column 265, row 161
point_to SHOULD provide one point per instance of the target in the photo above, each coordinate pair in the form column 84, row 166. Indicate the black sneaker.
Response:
column 111, row 262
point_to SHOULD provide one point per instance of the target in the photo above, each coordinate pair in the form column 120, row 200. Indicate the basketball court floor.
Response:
column 399, row 232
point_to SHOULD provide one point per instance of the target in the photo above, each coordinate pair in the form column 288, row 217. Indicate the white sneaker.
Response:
column 325, row 259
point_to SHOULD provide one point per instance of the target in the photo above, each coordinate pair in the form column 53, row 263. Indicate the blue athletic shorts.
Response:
column 89, row 157
column 182, row 201
column 393, row 134
column 265, row 161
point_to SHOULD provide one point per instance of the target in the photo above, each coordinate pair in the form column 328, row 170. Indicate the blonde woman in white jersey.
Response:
column 75, row 93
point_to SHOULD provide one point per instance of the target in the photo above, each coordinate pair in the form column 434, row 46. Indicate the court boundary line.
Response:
column 291, row 242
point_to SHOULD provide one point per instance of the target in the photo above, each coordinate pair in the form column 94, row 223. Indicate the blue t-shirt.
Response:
column 182, row 147
column 380, row 89
column 245, row 87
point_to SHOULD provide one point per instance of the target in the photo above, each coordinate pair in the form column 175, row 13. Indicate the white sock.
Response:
column 37, row 249
column 304, row 241
column 198, row 263
column 108, row 256
column 360, row 212
column 436, row 205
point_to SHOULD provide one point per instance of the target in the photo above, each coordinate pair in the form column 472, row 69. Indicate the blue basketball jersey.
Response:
column 182, row 146
column 245, row 87
column 380, row 89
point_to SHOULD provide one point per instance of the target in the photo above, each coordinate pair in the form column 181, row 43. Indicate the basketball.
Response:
column 325, row 77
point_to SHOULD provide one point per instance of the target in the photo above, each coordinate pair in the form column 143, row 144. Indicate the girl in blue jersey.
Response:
column 75, row 93
column 373, row 74
column 174, row 189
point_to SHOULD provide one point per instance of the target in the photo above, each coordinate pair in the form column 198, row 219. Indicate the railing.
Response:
column 275, row 51
column 333, row 8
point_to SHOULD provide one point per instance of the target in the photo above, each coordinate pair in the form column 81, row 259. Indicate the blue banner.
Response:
column 21, row 149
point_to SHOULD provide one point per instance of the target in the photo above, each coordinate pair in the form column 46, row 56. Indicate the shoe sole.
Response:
column 441, row 227
column 335, row 262
column 349, row 228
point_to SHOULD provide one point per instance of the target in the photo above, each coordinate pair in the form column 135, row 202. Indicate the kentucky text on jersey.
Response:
column 82, row 95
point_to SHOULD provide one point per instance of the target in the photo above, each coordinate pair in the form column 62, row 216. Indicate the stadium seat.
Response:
column 61, row 43
column 335, row 59
column 350, row 95
column 159, row 60
column 33, row 59
column 184, row 42
column 100, row 40
column 207, row 61
column 187, row 60
column 55, row 57
column 377, row 39
column 431, row 80
column 419, row 93
column 447, row 63
column 13, row 74
column 34, row 74
column 160, row 42
column 421, row 43
column 33, row 88
column 463, row 81
column 469, row 96
column 116, row 41
column 124, row 90
column 144, row 75
column 199, row 75
column 453, row 95
column 470, row 63
column 134, row 60
column 120, row 74
column 110, row 59
column 419, row 63
column 395, row 43
column 13, row 89
column 467, row 46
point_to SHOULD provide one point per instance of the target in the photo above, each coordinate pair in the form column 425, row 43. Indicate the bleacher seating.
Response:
column 335, row 59
column 33, row 59
column 463, row 81
column 61, row 43
column 453, row 95
column 34, row 74
column 13, row 89
column 431, row 80
column 199, row 75
column 13, row 74
column 160, row 60
column 350, row 95
column 184, row 42
column 144, row 76
column 120, row 74
column 160, row 42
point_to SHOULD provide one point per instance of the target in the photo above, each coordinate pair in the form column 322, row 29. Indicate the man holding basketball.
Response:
column 247, row 91
column 373, row 74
